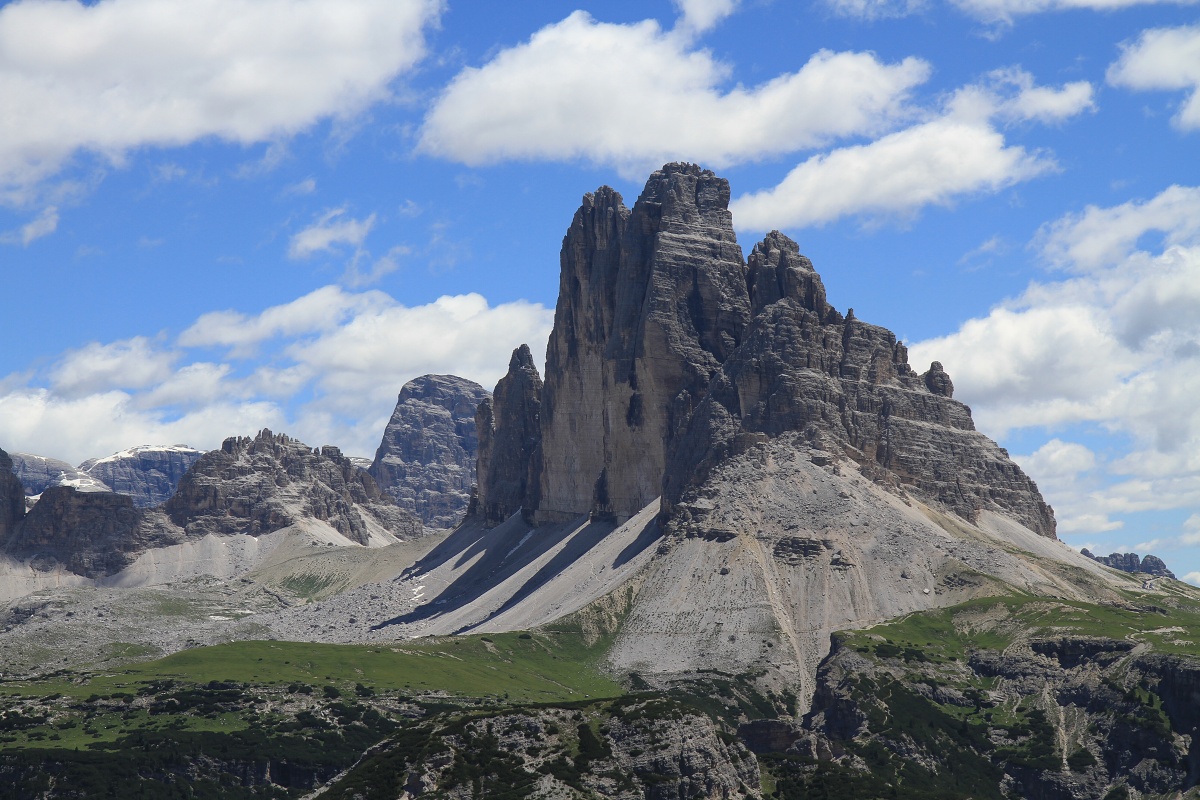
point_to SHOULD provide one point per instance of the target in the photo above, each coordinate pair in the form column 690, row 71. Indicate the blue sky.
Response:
column 275, row 212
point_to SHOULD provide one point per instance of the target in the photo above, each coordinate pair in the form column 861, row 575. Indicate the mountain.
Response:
column 1130, row 562
column 148, row 474
column 426, row 460
column 38, row 473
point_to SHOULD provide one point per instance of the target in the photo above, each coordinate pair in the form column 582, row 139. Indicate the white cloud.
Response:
column 655, row 99
column 877, row 9
column 956, row 154
column 1101, row 237
column 702, row 15
column 320, row 310
column 336, row 361
column 111, row 76
column 300, row 188
column 1166, row 59
column 1192, row 578
column 328, row 232
column 43, row 224
column 129, row 364
column 1115, row 346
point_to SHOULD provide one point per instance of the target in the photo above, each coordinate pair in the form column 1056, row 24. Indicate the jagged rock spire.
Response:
column 510, row 435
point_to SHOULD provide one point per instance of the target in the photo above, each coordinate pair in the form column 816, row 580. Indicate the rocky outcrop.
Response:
column 87, row 533
column 1130, row 562
column 651, row 302
column 845, row 386
column 510, row 436
column 39, row 473
column 258, row 485
column 148, row 474
column 12, row 498
column 426, row 461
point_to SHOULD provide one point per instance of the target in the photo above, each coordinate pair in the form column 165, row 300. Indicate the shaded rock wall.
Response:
column 510, row 436
column 426, row 460
column 12, row 498
column 651, row 301
column 39, row 473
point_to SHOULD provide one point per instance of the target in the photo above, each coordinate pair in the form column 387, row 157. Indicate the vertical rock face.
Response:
column 88, row 533
column 651, row 302
column 510, row 437
column 148, row 474
column 846, row 386
column 39, row 473
column 426, row 461
column 255, row 486
column 12, row 498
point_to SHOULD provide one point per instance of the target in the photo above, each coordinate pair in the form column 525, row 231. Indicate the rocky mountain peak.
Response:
column 39, row 473
column 509, row 425
column 670, row 354
column 147, row 473
column 426, row 460
column 255, row 485
column 1131, row 562
column 651, row 301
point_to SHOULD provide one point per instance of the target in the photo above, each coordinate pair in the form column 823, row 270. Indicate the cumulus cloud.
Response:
column 1164, row 59
column 958, row 153
column 1115, row 346
column 1101, row 237
column 635, row 96
column 331, row 230
column 111, row 76
column 701, row 15
column 325, row 367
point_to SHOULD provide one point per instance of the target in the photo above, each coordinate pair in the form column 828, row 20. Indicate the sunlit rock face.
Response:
column 426, row 460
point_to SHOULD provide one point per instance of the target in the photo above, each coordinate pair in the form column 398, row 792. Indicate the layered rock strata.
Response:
column 426, row 460
column 257, row 485
column 669, row 354
column 510, row 437
column 847, row 387
column 148, row 474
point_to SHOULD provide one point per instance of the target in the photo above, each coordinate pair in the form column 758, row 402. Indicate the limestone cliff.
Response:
column 426, row 460
column 1131, row 562
column 255, row 486
column 848, row 388
column 510, row 435
column 651, row 302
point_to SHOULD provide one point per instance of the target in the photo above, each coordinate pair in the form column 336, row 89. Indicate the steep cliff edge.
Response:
column 651, row 302
column 426, row 459
column 510, row 439
column 12, row 498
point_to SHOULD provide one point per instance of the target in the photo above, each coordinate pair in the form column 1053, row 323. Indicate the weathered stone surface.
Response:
column 148, row 474
column 510, row 436
column 1130, row 562
column 847, row 386
column 88, row 533
column 38, row 473
column 255, row 486
column 426, row 461
column 12, row 498
column 651, row 302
